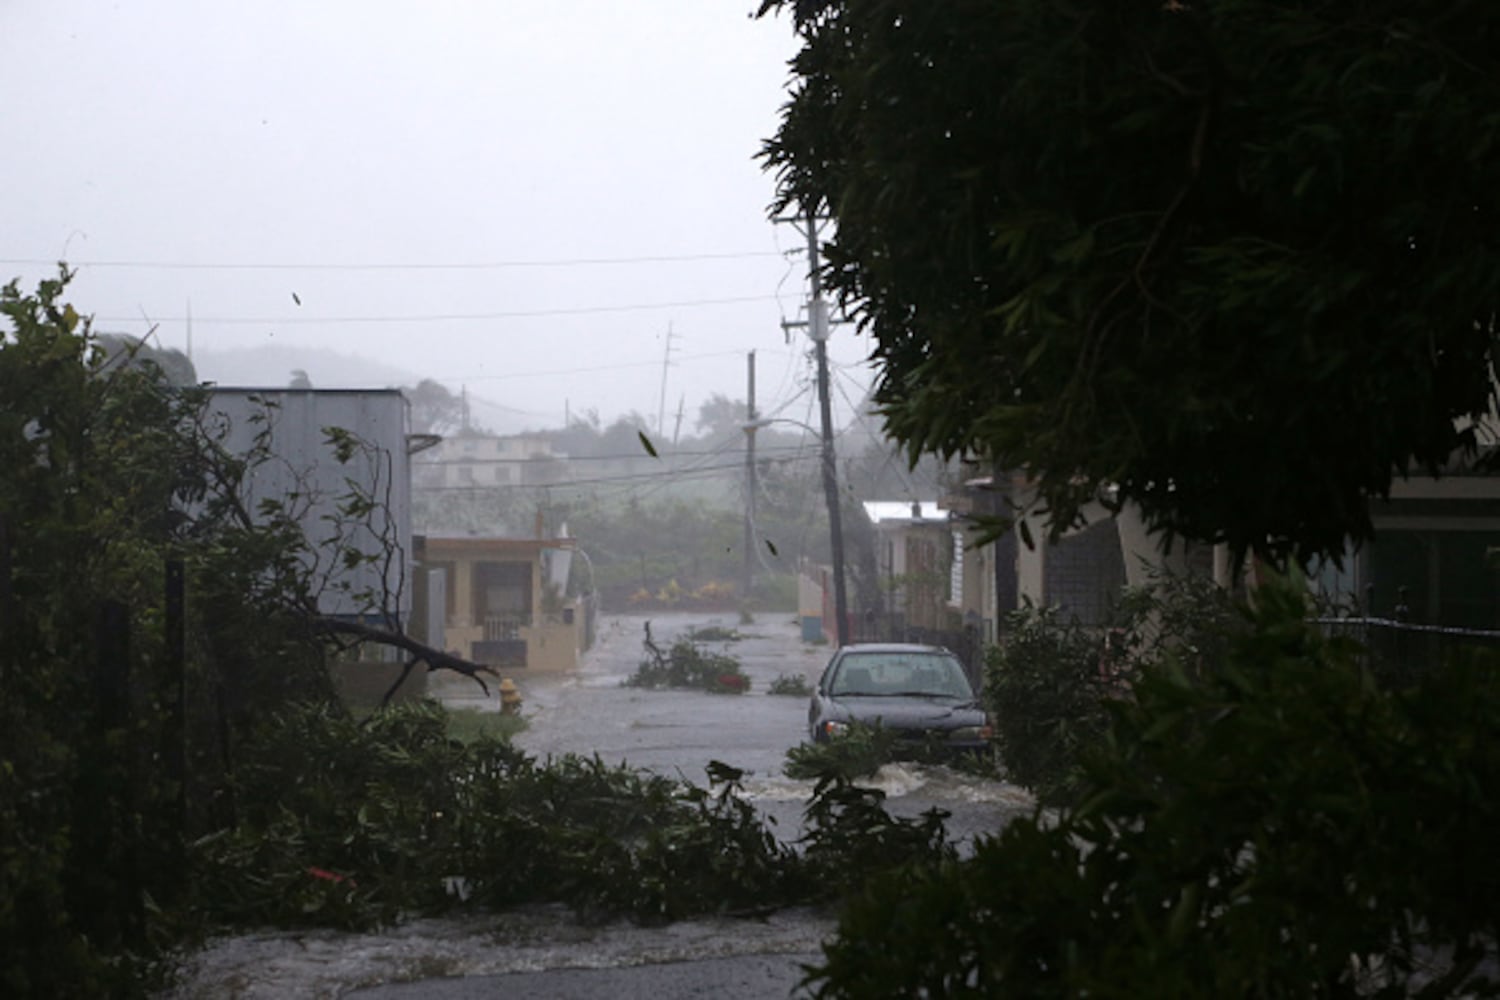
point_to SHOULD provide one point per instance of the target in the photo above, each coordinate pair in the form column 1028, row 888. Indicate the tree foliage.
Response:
column 1049, row 687
column 116, row 750
column 1235, row 262
column 435, row 409
column 1278, row 826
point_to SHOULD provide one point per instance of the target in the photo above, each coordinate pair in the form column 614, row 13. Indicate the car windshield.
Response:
column 889, row 674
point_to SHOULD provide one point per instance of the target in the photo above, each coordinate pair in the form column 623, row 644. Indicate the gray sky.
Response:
column 519, row 198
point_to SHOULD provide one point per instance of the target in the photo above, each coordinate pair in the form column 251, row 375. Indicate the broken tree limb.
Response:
column 420, row 652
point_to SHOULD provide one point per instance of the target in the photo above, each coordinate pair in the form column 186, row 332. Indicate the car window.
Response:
column 892, row 673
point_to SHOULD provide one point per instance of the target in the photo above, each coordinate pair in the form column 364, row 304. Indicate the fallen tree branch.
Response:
column 420, row 652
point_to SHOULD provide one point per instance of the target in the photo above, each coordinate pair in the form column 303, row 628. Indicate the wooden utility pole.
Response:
column 817, row 329
column 750, row 429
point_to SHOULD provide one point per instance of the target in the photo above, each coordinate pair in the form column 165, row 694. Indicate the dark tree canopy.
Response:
column 1237, row 262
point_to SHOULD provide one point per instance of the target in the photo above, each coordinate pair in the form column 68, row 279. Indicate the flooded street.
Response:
column 677, row 733
column 674, row 733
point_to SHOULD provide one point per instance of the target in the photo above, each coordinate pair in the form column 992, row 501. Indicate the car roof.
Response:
column 891, row 647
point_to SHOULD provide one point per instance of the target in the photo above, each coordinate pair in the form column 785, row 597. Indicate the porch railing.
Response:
column 498, row 627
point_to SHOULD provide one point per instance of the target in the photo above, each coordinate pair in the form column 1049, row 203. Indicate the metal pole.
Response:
column 817, row 327
column 749, row 578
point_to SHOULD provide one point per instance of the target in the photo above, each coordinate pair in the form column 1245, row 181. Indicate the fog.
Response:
column 555, row 208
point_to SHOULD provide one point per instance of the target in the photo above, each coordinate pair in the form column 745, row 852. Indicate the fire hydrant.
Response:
column 510, row 698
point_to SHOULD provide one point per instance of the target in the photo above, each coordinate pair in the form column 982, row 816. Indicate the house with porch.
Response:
column 506, row 601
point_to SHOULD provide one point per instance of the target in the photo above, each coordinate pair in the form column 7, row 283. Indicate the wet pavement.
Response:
column 543, row 952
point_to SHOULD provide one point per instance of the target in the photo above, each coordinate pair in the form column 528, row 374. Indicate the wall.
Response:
column 305, row 464
column 554, row 636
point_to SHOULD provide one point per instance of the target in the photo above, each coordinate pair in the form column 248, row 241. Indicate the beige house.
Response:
column 1082, row 573
column 506, row 602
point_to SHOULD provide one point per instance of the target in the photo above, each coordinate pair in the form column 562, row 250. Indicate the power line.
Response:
column 653, row 478
column 168, row 265
column 441, row 317
column 575, row 371
column 544, row 459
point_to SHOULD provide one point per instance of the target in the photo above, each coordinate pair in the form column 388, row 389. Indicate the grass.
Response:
column 467, row 725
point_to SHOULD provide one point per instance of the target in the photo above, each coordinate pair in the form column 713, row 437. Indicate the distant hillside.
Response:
column 274, row 365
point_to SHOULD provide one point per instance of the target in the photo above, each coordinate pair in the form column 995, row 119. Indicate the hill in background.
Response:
column 277, row 365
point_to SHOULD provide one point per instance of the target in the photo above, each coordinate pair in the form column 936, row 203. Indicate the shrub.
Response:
column 1049, row 685
column 858, row 752
column 714, row 633
column 850, row 839
column 1277, row 827
column 687, row 665
column 350, row 823
column 794, row 685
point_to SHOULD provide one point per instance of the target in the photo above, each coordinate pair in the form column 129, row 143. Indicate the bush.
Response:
column 858, row 752
column 792, row 685
column 687, row 665
column 1277, row 827
column 714, row 633
column 354, row 824
column 1049, row 685
column 357, row 824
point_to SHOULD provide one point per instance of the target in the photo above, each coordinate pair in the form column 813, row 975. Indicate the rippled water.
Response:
column 277, row 965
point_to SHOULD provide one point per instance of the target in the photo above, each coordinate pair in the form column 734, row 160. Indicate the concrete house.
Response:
column 507, row 602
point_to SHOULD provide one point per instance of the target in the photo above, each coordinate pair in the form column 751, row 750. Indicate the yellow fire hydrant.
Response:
column 510, row 698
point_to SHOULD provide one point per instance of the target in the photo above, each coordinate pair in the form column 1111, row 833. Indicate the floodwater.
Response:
column 675, row 733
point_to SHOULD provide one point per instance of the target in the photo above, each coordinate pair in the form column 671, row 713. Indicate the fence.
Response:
column 1398, row 651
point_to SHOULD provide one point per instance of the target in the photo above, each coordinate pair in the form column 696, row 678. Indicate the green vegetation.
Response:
column 1257, row 816
column 792, row 685
column 688, row 665
column 1275, row 825
column 357, row 825
column 1183, row 259
column 1049, row 688
column 1236, row 263
column 861, row 750
column 857, row 753
column 352, row 825
column 149, row 623
column 468, row 725
column 714, row 633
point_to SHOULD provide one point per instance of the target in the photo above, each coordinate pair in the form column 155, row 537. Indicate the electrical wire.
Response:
column 458, row 460
column 440, row 317
column 654, row 477
column 168, row 265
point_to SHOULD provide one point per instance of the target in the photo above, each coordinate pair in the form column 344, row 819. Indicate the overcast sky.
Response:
column 523, row 199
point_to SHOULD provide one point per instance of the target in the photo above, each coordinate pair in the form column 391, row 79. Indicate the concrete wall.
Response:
column 554, row 635
column 304, row 466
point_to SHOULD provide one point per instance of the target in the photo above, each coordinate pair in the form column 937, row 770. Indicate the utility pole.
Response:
column 661, row 404
column 817, row 329
column 749, row 478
